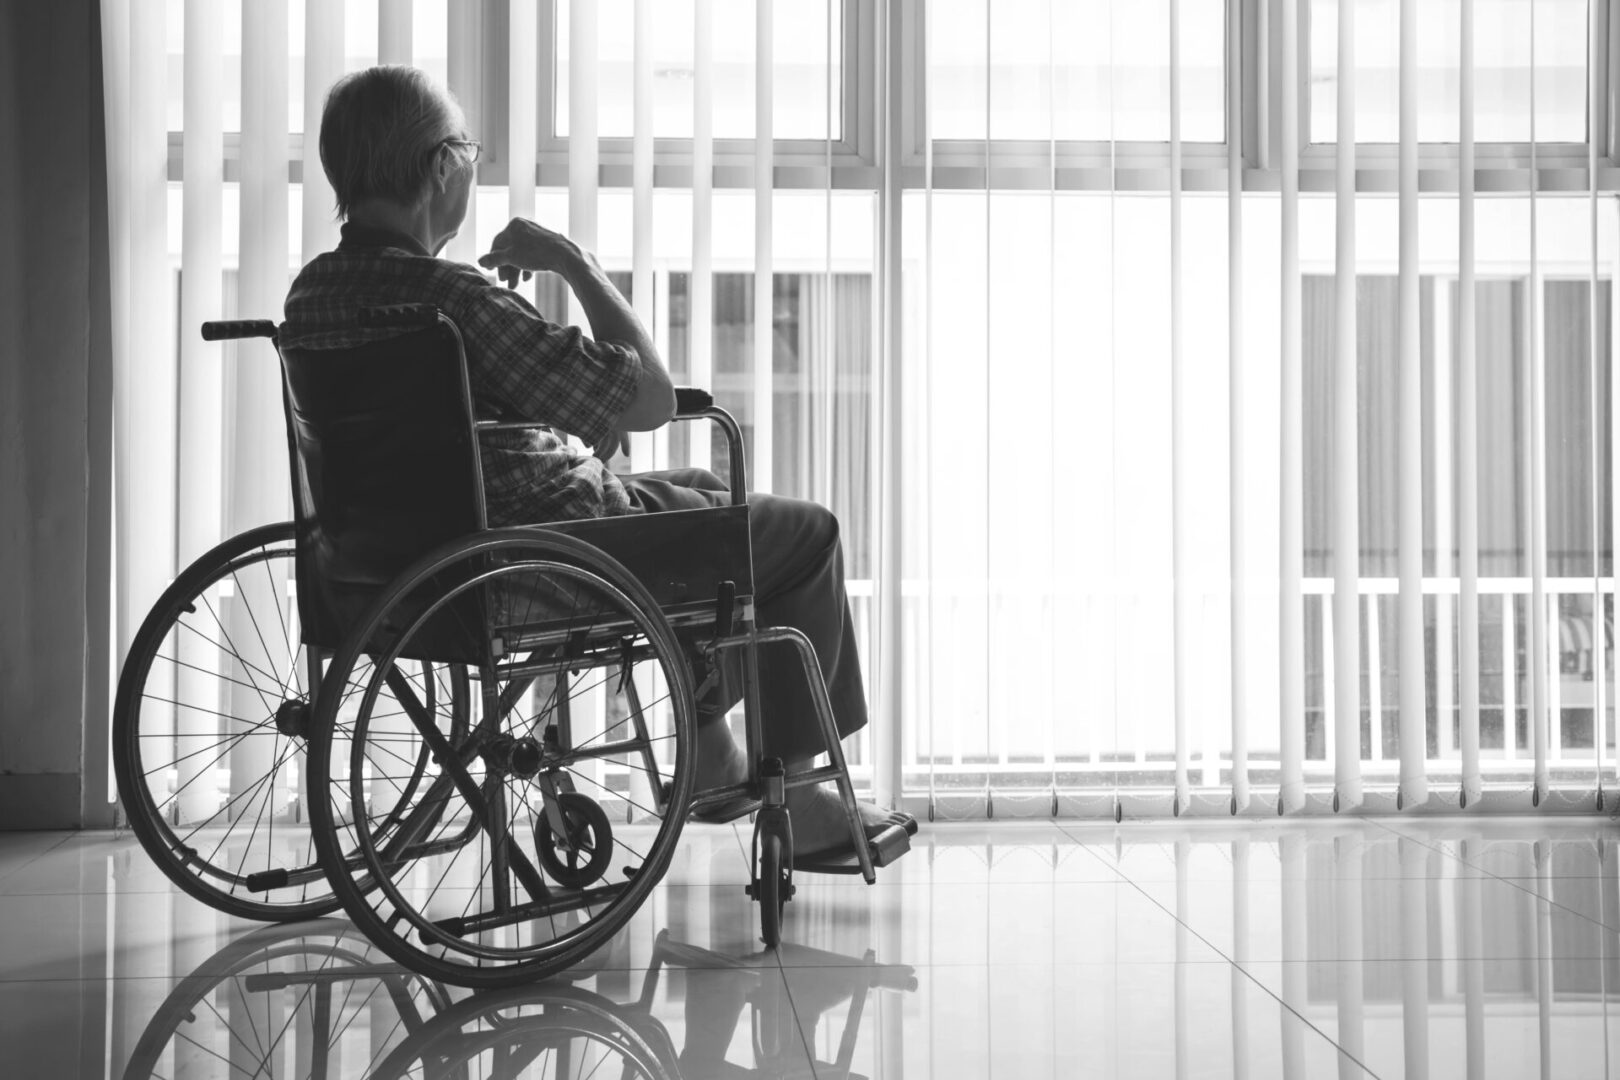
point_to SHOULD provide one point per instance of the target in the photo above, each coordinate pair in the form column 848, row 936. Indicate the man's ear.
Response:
column 445, row 166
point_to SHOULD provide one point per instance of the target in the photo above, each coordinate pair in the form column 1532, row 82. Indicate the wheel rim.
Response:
column 208, row 778
column 610, row 666
column 210, row 734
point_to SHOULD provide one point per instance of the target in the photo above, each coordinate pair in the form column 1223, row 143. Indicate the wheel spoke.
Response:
column 235, row 652
column 259, row 633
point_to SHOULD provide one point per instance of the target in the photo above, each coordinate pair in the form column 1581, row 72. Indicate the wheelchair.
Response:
column 475, row 741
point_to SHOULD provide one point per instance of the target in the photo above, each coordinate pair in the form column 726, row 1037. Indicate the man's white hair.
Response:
column 381, row 132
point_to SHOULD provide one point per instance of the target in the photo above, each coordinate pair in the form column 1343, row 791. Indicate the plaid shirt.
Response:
column 520, row 367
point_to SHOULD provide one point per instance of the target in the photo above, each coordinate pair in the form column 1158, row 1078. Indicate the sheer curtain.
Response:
column 1215, row 395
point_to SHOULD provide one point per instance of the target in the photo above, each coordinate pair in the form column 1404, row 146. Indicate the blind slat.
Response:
column 201, row 485
column 323, row 64
column 1346, row 479
column 928, row 739
column 700, row 308
column 1599, row 644
column 259, row 484
column 642, row 443
column 760, row 478
column 394, row 31
column 1467, row 425
column 583, row 151
column 1181, row 519
column 144, row 371
column 462, row 73
column 1539, row 652
column 1291, row 613
column 202, row 382
column 888, row 740
column 1237, row 430
column 523, row 109
column 1413, row 741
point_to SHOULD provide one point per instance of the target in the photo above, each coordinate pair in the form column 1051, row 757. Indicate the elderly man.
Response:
column 401, row 163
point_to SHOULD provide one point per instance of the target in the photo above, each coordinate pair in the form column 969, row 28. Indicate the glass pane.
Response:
column 1502, row 65
column 807, row 35
column 1089, row 70
column 430, row 45
column 1561, row 70
column 360, row 51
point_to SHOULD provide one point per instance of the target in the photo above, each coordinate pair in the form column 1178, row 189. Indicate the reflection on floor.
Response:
column 1458, row 948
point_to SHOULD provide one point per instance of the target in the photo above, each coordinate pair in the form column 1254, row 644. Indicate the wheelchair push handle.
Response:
column 227, row 329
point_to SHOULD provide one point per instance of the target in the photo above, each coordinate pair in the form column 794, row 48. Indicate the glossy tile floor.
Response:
column 1370, row 947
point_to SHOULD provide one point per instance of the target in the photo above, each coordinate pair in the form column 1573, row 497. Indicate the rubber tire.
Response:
column 133, row 795
column 768, row 889
column 577, row 805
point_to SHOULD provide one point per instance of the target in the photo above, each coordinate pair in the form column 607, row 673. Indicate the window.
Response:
column 1503, row 65
column 1035, row 460
column 809, row 47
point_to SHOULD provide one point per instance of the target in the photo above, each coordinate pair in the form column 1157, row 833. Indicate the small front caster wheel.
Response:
column 581, row 857
column 773, row 887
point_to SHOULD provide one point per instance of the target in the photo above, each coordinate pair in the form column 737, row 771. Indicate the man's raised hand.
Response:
column 524, row 247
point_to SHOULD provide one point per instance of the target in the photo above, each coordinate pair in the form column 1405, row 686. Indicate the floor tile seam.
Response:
column 1512, row 883
column 1246, row 973
column 798, row 1021
column 1055, row 962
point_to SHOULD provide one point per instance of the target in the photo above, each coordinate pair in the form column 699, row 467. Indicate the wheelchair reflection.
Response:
column 316, row 1000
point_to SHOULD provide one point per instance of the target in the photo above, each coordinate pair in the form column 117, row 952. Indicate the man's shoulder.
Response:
column 323, row 299
column 388, row 276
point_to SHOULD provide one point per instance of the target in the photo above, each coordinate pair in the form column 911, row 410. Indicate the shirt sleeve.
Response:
column 537, row 370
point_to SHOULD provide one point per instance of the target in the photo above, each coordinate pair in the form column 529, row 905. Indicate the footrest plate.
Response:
column 886, row 847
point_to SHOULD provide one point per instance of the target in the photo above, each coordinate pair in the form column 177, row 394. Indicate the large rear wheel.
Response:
column 211, row 726
column 491, row 870
column 205, row 749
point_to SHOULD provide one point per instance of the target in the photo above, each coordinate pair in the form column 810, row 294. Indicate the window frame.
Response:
column 1132, row 165
column 800, row 163
column 1122, row 166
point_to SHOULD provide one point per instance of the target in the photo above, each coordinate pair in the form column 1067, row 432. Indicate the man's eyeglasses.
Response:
column 474, row 145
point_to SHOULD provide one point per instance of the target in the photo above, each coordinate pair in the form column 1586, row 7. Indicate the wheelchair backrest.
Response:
column 385, row 468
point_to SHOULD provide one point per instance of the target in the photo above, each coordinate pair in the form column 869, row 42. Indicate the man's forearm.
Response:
column 611, row 317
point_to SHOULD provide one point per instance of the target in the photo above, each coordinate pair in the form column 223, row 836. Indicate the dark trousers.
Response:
column 798, row 582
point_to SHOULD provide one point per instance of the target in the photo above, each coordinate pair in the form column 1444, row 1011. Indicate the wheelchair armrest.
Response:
column 692, row 403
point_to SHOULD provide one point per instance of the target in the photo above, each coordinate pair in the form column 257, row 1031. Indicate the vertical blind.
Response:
column 1337, row 644
column 1199, row 395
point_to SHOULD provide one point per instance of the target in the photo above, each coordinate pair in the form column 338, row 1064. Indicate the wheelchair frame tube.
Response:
column 728, row 424
column 837, row 770
column 734, row 444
